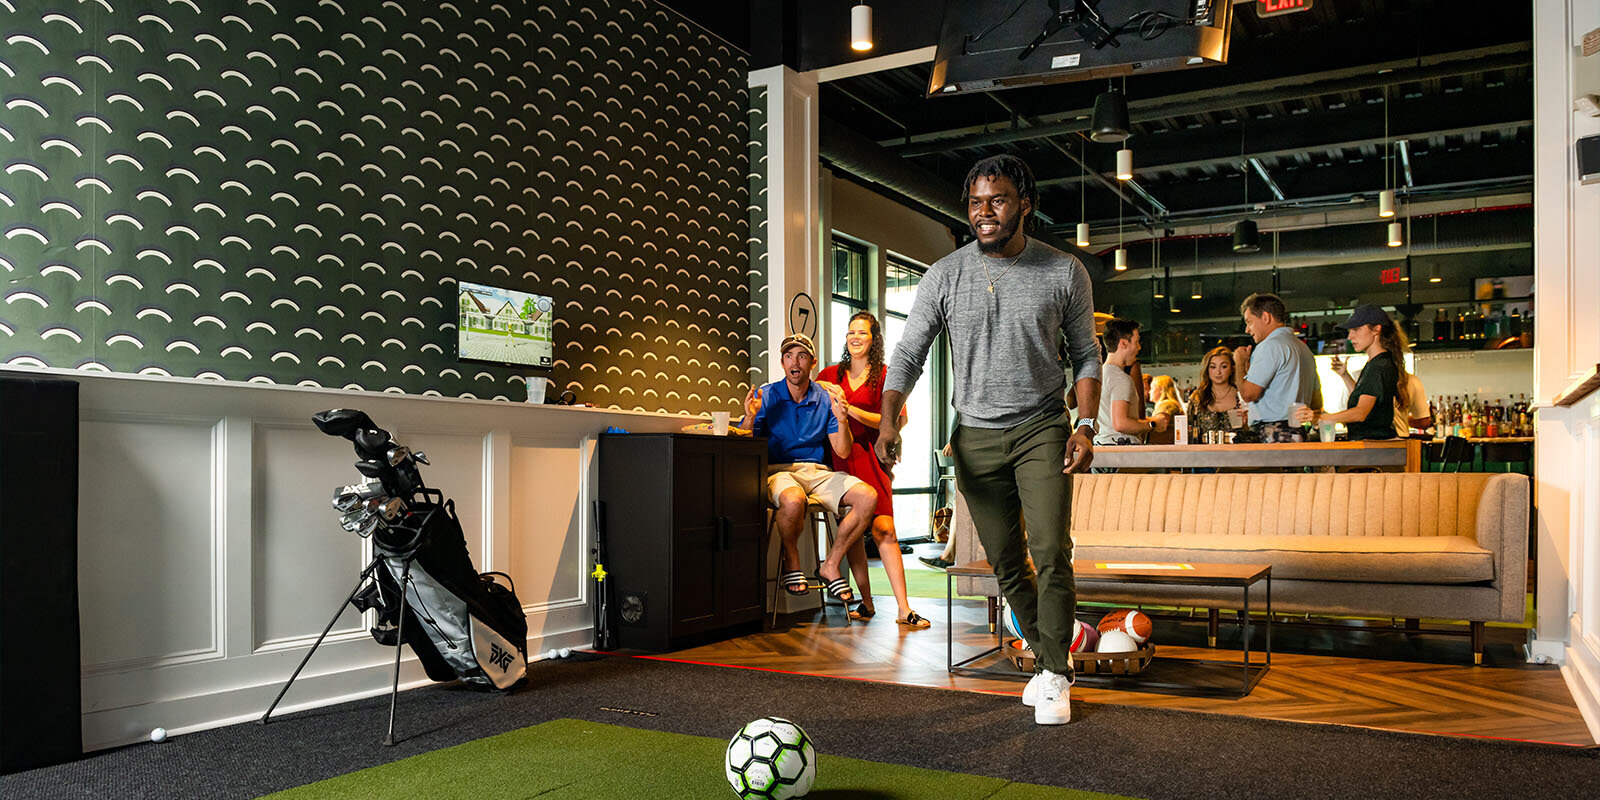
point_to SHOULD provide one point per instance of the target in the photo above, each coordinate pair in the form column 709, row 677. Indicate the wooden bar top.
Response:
column 1385, row 453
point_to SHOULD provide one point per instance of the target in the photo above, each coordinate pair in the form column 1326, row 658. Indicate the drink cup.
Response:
column 1295, row 412
column 1325, row 431
column 719, row 423
column 1236, row 418
column 536, row 384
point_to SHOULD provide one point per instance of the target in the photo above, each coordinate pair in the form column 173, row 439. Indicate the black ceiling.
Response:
column 1294, row 121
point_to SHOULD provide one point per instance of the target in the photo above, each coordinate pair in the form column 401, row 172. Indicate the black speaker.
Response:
column 1588, row 150
column 40, row 706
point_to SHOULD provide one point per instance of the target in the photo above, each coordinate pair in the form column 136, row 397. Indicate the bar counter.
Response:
column 1404, row 453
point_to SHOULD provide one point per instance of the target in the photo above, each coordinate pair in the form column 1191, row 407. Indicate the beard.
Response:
column 1003, row 235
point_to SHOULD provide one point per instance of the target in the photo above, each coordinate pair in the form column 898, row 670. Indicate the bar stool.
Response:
column 814, row 514
column 1457, row 451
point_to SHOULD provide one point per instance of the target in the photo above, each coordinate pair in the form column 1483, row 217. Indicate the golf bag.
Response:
column 462, row 625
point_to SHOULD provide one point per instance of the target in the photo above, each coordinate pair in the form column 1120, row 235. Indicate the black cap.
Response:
column 1365, row 315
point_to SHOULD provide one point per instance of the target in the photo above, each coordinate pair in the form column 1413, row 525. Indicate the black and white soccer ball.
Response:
column 771, row 759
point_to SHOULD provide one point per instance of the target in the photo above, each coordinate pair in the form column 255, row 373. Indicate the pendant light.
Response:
column 1246, row 239
column 861, row 27
column 1395, row 235
column 1121, row 256
column 1109, row 123
column 1433, row 269
column 1156, row 291
column 1386, row 203
column 1122, row 260
column 1195, row 292
column 1124, row 164
column 1386, row 197
column 1083, row 203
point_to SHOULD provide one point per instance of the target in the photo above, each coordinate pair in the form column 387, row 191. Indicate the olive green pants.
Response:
column 1007, row 475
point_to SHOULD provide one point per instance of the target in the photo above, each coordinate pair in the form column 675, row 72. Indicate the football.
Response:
column 771, row 759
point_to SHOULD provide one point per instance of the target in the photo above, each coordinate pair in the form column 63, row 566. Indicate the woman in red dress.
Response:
column 857, row 381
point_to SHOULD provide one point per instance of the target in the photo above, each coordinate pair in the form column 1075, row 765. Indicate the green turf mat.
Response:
column 919, row 582
column 571, row 759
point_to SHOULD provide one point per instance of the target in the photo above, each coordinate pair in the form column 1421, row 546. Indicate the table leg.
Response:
column 1246, row 687
column 1212, row 618
column 949, row 623
column 1269, row 619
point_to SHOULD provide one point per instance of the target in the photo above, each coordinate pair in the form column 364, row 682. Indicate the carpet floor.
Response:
column 1140, row 752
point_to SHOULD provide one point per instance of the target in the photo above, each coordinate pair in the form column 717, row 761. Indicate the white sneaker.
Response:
column 1054, row 705
column 1030, row 693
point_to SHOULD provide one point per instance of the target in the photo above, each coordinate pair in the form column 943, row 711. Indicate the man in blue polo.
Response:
column 802, row 423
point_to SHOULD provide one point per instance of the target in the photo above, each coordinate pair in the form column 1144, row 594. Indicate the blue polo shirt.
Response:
column 1286, row 371
column 796, row 432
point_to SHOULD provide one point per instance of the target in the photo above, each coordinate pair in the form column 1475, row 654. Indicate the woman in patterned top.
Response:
column 1218, row 394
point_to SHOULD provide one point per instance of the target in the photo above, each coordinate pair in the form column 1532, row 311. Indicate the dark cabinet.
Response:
column 685, row 520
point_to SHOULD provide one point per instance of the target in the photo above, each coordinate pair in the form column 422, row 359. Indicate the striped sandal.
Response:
column 794, row 582
column 838, row 587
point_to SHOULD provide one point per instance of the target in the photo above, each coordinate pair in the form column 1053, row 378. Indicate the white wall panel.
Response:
column 147, row 540
column 548, row 517
column 304, row 564
column 458, row 470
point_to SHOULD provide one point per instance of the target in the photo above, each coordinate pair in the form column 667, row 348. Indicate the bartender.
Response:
column 1383, row 383
column 1279, row 371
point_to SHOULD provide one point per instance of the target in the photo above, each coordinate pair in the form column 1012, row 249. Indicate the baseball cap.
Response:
column 798, row 340
column 1365, row 315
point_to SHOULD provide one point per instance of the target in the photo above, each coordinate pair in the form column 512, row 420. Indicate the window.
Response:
column 849, row 295
column 914, row 479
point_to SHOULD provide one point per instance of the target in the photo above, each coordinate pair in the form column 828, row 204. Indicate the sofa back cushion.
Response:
column 1281, row 504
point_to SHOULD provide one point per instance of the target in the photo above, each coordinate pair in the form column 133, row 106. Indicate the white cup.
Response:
column 1294, row 414
column 719, row 423
column 536, row 384
column 1325, row 431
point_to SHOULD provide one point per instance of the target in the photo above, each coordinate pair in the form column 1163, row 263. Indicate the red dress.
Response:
column 863, row 463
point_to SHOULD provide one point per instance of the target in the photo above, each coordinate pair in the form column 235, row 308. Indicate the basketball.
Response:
column 1133, row 623
column 1116, row 642
column 1084, row 638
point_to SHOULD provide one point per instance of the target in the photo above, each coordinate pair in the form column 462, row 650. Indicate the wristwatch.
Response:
column 1089, row 422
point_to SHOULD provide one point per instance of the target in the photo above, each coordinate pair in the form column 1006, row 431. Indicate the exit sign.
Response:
column 1391, row 275
column 1273, row 8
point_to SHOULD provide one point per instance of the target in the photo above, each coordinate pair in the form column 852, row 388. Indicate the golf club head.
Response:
column 342, row 421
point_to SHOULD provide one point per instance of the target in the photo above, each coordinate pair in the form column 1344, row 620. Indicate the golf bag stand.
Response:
column 361, row 583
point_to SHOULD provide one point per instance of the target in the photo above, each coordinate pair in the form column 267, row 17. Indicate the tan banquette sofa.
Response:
column 1399, row 545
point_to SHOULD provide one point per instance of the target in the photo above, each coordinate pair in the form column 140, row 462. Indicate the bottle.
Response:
column 1441, row 326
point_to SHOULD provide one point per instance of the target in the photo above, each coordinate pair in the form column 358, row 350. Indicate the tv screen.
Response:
column 504, row 326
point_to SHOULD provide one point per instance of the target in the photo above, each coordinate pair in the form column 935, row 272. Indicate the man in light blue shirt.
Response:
column 803, row 424
column 1278, row 372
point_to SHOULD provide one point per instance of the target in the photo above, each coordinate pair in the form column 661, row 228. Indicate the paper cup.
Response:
column 536, row 386
column 719, row 423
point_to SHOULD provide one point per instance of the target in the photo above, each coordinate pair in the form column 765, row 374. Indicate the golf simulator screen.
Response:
column 504, row 326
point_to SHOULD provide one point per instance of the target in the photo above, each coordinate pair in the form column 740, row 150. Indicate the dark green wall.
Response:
column 287, row 192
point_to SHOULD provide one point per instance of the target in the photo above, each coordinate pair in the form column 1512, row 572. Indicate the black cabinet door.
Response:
column 742, row 474
column 696, row 537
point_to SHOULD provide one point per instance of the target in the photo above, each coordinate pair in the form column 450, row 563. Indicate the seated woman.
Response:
column 857, row 381
column 1164, row 393
column 1384, row 384
column 1218, row 394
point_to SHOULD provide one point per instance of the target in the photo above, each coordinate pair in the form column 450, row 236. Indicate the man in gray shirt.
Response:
column 1005, row 300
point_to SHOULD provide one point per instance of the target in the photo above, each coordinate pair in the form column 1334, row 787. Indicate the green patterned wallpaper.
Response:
column 287, row 192
column 758, row 237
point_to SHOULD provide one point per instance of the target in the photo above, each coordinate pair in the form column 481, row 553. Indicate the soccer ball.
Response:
column 771, row 759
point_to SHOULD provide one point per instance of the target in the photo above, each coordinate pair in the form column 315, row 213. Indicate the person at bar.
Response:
column 1164, row 395
column 1218, row 395
column 1122, row 419
column 1279, row 371
column 856, row 383
column 1383, row 385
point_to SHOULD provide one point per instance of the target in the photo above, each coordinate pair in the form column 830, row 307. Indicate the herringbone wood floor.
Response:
column 1384, row 679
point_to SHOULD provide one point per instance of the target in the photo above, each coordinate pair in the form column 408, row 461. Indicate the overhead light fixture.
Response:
column 1124, row 164
column 1433, row 274
column 1386, row 203
column 1156, row 292
column 1083, row 201
column 1083, row 234
column 1246, row 238
column 861, row 28
column 1110, row 120
column 1395, row 234
column 1195, row 292
column 1122, row 259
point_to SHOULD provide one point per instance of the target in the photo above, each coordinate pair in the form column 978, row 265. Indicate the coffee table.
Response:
column 1242, row 576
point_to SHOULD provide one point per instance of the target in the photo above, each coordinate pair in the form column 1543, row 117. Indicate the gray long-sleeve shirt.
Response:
column 1003, row 345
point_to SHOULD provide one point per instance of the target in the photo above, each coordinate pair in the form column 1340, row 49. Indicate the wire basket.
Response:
column 1130, row 663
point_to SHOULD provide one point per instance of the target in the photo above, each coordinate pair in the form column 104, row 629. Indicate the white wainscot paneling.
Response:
column 547, row 546
column 457, row 469
column 304, row 564
column 148, row 541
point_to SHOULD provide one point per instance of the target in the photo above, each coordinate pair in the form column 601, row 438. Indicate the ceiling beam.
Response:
column 1291, row 87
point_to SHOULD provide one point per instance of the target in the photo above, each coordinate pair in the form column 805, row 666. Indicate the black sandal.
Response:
column 861, row 611
column 838, row 587
column 914, row 620
column 792, row 579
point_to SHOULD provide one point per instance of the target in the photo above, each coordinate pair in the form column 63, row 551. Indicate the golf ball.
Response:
column 551, row 654
column 566, row 651
column 158, row 734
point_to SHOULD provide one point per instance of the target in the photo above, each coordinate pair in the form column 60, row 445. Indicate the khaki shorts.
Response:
column 822, row 486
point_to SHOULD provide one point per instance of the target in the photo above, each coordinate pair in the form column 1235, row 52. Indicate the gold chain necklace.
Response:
column 996, row 278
